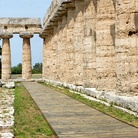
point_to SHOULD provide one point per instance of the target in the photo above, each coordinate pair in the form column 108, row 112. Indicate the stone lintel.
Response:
column 56, row 11
column 6, row 34
column 26, row 34
column 17, row 25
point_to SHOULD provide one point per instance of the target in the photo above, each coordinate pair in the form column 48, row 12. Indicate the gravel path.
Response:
column 6, row 113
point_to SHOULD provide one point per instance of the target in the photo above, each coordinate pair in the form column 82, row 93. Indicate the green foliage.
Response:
column 37, row 68
column 17, row 69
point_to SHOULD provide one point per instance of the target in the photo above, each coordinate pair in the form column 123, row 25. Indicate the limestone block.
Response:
column 126, row 6
column 26, row 55
column 92, row 92
column 127, row 23
column 106, row 37
column 126, row 46
column 87, row 44
column 6, row 56
column 105, row 64
column 105, row 51
column 105, row 9
column 90, row 8
column 90, row 77
column 8, row 85
column 78, row 42
column 17, row 25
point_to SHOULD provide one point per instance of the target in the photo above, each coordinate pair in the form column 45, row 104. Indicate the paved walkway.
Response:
column 72, row 119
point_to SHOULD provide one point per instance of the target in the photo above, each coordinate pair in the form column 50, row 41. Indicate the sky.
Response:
column 25, row 8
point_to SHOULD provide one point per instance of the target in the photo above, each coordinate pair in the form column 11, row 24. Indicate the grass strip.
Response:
column 109, row 110
column 29, row 122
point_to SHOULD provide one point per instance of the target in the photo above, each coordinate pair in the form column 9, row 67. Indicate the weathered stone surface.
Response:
column 8, row 85
column 17, row 25
column 26, row 34
column 6, row 113
column 69, row 47
column 95, row 48
column 26, row 56
column 6, row 55
column 89, row 44
column 105, row 36
column 55, row 12
column 78, row 43
column 126, row 46
column 4, row 34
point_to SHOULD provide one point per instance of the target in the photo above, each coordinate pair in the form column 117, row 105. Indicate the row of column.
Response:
column 95, row 45
column 6, row 55
column 82, row 46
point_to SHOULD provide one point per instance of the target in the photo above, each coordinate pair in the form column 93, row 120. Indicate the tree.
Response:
column 17, row 69
column 37, row 68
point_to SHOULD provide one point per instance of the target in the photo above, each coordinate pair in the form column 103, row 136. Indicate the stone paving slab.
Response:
column 73, row 119
column 6, row 113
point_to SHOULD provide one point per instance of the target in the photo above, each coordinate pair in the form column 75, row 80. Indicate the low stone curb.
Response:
column 126, row 103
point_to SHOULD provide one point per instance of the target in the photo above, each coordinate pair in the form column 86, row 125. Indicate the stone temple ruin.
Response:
column 89, row 43
column 25, row 27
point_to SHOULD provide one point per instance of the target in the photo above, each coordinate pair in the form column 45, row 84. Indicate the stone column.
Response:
column 47, row 57
column 89, row 44
column 26, row 56
column 63, row 48
column 127, row 46
column 44, row 43
column 51, row 56
column 59, row 55
column 78, row 42
column 6, row 55
column 55, row 51
column 70, row 47
column 105, row 45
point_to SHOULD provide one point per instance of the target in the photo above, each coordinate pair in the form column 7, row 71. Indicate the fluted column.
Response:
column 70, row 47
column 105, row 45
column 26, row 55
column 44, row 56
column 78, row 42
column 6, row 55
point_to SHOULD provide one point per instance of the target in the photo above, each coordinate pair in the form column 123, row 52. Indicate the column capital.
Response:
column 42, row 35
column 6, row 35
column 26, row 34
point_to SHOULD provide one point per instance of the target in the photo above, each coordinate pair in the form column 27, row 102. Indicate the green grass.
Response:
column 112, row 111
column 29, row 122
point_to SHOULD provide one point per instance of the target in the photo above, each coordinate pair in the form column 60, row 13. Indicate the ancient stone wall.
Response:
column 127, row 46
column 94, row 44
